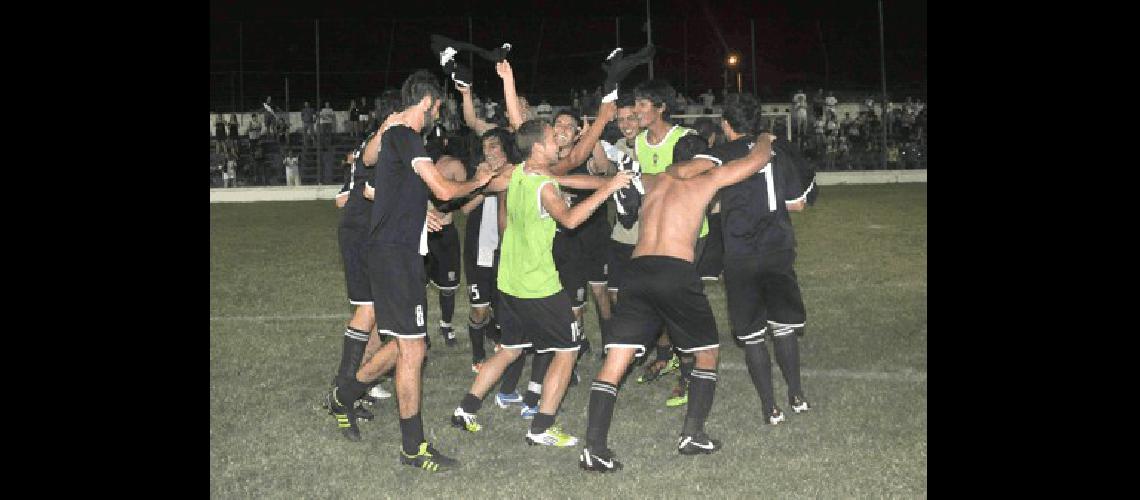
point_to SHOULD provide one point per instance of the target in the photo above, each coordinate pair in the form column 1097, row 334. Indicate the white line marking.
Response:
column 899, row 376
column 344, row 315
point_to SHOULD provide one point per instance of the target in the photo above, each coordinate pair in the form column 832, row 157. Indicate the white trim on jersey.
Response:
column 803, row 197
column 709, row 158
column 416, row 159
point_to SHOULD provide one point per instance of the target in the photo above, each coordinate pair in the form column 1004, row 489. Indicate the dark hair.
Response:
column 688, row 146
column 658, row 92
column 529, row 133
column 625, row 99
column 706, row 127
column 742, row 112
column 572, row 113
column 507, row 139
column 420, row 84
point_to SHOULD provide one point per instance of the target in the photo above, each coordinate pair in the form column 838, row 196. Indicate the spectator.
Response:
column 254, row 131
column 219, row 135
column 354, row 122
column 232, row 138
column 291, row 163
column 270, row 115
column 229, row 178
column 328, row 123
column 831, row 101
column 799, row 101
column 707, row 100
column 544, row 110
column 489, row 108
column 307, row 121
column 817, row 105
column 362, row 116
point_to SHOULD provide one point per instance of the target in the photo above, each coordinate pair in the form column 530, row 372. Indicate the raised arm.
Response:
column 372, row 146
column 573, row 217
column 444, row 188
column 585, row 145
column 469, row 117
column 579, row 181
column 514, row 111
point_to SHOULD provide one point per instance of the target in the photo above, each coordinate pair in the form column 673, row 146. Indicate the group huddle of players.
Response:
column 537, row 238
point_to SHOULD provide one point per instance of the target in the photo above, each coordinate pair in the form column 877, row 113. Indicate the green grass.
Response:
column 278, row 309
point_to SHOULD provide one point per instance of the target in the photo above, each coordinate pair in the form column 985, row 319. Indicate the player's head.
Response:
column 741, row 112
column 709, row 130
column 688, row 146
column 566, row 127
column 535, row 141
column 626, row 118
column 421, row 91
column 499, row 147
column 653, row 101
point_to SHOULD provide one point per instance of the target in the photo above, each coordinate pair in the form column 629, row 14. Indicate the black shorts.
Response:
column 618, row 261
column 571, row 266
column 662, row 291
column 482, row 282
column 353, row 242
column 711, row 261
column 762, row 290
column 593, row 242
column 396, row 274
column 442, row 259
column 546, row 323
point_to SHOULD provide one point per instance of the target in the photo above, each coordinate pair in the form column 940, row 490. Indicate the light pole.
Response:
column 733, row 63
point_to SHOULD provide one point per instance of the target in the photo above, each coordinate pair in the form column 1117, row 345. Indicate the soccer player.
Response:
column 622, row 239
column 533, row 309
column 443, row 238
column 663, row 289
column 760, row 282
column 397, row 242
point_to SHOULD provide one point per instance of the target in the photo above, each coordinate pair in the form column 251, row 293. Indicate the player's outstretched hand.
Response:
column 435, row 220
column 485, row 172
column 369, row 191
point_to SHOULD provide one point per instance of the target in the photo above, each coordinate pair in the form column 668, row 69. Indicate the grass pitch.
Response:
column 278, row 310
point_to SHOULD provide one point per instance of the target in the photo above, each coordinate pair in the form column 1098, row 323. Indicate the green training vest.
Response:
column 655, row 159
column 526, row 260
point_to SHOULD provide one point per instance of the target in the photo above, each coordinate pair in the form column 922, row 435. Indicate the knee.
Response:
column 479, row 317
column 706, row 359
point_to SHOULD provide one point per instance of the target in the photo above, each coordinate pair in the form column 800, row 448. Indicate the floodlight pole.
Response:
column 241, row 72
column 752, row 22
column 317, row 27
column 649, row 32
column 883, row 70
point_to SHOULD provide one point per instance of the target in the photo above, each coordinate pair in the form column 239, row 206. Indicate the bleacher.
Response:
column 272, row 155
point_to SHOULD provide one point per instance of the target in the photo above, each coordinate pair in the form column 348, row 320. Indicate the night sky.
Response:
column 558, row 46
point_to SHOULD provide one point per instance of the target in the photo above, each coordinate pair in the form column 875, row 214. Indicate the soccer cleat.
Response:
column 598, row 461
column 674, row 365
column 697, row 445
column 379, row 393
column 506, row 399
column 799, row 405
column 448, row 336
column 774, row 417
column 528, row 412
column 680, row 395
column 553, row 436
column 466, row 421
column 429, row 459
column 345, row 417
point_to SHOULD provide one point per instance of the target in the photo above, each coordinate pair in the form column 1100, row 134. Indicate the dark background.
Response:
column 558, row 46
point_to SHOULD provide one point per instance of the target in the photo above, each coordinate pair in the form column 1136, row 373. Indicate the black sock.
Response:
column 788, row 357
column 478, row 352
column 760, row 369
column 664, row 352
column 541, row 422
column 412, row 433
column 351, row 355
column 600, row 413
column 538, row 368
column 687, row 362
column 470, row 403
column 702, row 388
column 446, row 306
column 511, row 375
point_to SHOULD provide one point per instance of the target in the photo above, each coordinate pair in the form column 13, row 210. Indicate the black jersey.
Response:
column 398, row 210
column 755, row 216
column 597, row 222
column 357, row 210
